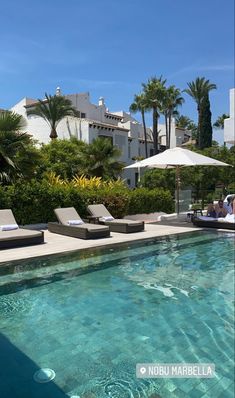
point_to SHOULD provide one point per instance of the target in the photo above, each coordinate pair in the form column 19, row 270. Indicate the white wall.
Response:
column 229, row 124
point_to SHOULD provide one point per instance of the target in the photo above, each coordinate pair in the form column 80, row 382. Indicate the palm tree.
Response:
column 100, row 159
column 11, row 140
column 154, row 93
column 53, row 109
column 219, row 124
column 172, row 99
column 198, row 89
column 183, row 122
column 140, row 105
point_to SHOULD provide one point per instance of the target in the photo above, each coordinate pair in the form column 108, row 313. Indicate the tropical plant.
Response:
column 140, row 105
column 172, row 99
column 219, row 123
column 100, row 159
column 154, row 93
column 184, row 122
column 53, row 109
column 11, row 141
column 197, row 90
column 54, row 179
column 87, row 183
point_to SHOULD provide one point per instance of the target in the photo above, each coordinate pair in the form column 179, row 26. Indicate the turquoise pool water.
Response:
column 169, row 300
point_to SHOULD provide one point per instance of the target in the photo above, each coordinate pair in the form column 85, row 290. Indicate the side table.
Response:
column 93, row 219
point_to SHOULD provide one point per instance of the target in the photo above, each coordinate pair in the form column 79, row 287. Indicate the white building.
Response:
column 96, row 121
column 229, row 124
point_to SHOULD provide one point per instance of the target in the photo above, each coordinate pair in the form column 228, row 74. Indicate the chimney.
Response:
column 58, row 91
column 101, row 101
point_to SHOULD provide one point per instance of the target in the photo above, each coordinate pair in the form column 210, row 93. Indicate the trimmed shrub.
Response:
column 143, row 200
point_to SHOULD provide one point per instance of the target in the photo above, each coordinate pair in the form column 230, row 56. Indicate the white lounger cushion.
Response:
column 75, row 222
column 108, row 218
column 8, row 227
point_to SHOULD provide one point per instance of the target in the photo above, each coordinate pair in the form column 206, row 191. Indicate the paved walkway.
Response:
column 56, row 244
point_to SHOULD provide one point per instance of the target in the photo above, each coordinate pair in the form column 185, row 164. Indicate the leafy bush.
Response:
column 231, row 187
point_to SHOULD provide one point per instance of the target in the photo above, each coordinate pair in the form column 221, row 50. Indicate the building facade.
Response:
column 229, row 124
column 97, row 121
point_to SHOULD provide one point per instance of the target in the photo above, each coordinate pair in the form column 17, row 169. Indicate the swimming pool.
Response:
column 168, row 300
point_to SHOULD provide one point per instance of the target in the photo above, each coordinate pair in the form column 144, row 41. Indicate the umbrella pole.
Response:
column 177, row 177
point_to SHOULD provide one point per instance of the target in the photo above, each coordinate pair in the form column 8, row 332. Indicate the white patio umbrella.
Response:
column 177, row 158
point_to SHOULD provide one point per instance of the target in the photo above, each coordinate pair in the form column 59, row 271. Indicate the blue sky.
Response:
column 110, row 47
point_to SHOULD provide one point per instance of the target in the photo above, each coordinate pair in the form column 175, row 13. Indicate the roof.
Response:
column 142, row 139
column 113, row 115
column 105, row 125
column 32, row 104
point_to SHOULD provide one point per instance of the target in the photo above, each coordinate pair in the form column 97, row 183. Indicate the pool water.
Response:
column 168, row 300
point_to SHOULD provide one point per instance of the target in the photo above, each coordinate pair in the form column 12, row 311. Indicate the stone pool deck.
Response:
column 56, row 244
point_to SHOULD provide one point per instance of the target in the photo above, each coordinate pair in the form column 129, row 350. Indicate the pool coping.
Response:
column 100, row 245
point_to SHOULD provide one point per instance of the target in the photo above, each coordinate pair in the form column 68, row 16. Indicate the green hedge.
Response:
column 34, row 202
column 144, row 200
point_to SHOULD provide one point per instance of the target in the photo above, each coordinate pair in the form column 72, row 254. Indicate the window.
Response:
column 136, row 179
column 120, row 141
column 83, row 115
column 129, row 149
column 151, row 152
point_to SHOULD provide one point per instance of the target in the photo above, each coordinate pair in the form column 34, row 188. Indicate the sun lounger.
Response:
column 213, row 224
column 71, row 224
column 115, row 225
column 13, row 236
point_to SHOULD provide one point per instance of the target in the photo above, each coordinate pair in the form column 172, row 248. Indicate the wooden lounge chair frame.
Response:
column 116, row 225
column 83, row 231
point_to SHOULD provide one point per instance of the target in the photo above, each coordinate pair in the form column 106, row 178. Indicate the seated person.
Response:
column 211, row 210
column 228, row 205
column 220, row 210
column 231, row 217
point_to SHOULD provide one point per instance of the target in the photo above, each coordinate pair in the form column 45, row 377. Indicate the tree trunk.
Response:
column 198, row 139
column 169, row 130
column 145, row 134
column 167, row 137
column 155, row 130
column 53, row 134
